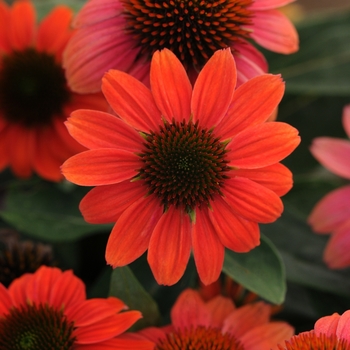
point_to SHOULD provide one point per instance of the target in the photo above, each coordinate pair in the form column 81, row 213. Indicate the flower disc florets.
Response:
column 184, row 165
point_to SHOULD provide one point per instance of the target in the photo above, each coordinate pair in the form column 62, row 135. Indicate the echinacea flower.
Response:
column 182, row 168
column 49, row 310
column 217, row 324
column 34, row 97
column 124, row 34
column 332, row 213
column 329, row 333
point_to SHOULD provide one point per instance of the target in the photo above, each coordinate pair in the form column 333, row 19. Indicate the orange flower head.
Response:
column 49, row 310
column 34, row 97
column 183, row 168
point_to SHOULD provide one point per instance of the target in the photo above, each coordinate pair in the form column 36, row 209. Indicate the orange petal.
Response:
column 4, row 24
column 220, row 308
column 5, row 300
column 170, row 246
column 170, row 86
column 120, row 344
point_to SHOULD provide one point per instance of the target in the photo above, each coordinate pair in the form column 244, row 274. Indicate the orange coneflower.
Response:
column 34, row 97
column 183, row 168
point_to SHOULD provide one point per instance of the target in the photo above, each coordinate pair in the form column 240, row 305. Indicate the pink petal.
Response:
column 131, row 234
column 274, row 31
column 251, row 200
column 331, row 212
column 327, row 325
column 95, row 129
column 235, row 233
column 343, row 326
column 104, row 166
column 268, row 4
column 334, row 154
column 262, row 145
column 170, row 86
column 208, row 250
column 213, row 89
column 170, row 246
column 346, row 119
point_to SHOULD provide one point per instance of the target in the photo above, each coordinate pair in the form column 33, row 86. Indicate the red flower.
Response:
column 34, row 97
column 124, row 34
column 49, row 310
column 218, row 324
column 183, row 168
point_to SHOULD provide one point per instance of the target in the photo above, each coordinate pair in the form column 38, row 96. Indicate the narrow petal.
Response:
column 170, row 246
column 276, row 177
column 327, row 325
column 105, row 204
column 252, row 103
column 346, row 119
column 103, row 166
column 170, row 86
column 95, row 129
column 331, row 212
column 208, row 250
column 268, row 4
column 131, row 234
column 274, row 31
column 213, row 89
column 235, row 233
column 333, row 154
column 262, row 145
column 251, row 200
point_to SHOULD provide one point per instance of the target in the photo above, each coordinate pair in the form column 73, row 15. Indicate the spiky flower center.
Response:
column 32, row 88
column 33, row 327
column 184, row 165
column 192, row 29
column 199, row 338
column 311, row 341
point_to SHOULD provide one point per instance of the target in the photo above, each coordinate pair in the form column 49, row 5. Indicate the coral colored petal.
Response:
column 333, row 154
column 208, row 250
column 5, row 300
column 213, row 89
column 115, row 198
column 170, row 246
column 95, row 129
column 276, row 177
column 343, row 326
column 219, row 308
column 22, row 25
column 171, row 88
column 235, row 233
column 274, row 31
column 336, row 254
column 119, row 344
column 268, row 4
column 104, row 166
column 252, row 103
column 130, row 236
column 4, row 23
column 251, row 200
column 346, row 119
column 267, row 336
column 189, row 310
column 331, row 212
column 131, row 100
column 262, row 145
column 244, row 318
column 327, row 325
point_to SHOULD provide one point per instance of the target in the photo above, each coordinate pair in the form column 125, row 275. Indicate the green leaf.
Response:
column 126, row 287
column 45, row 6
column 261, row 271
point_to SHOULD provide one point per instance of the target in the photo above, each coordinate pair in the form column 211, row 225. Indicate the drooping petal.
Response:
column 213, row 89
column 102, row 166
column 252, row 103
column 208, row 250
column 95, row 129
column 331, row 212
column 131, row 100
column 170, row 86
column 131, row 234
column 170, row 246
column 105, row 204
column 327, row 325
column 333, row 154
column 235, row 233
column 346, row 119
column 274, row 31
column 268, row 4
column 262, row 145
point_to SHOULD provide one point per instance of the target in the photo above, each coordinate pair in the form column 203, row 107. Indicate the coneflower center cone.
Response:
column 192, row 29
column 35, row 327
column 184, row 165
column 32, row 88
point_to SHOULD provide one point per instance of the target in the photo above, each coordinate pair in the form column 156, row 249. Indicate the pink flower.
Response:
column 124, row 34
column 332, row 213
